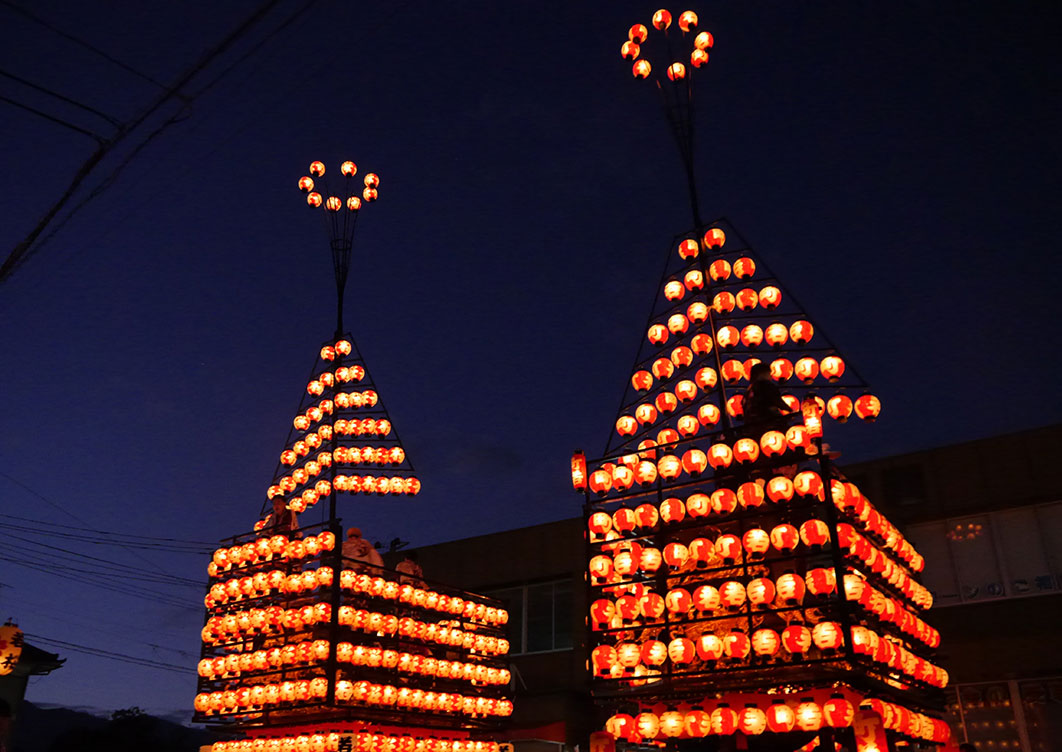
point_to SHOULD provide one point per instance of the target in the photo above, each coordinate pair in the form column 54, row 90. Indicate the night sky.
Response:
column 897, row 164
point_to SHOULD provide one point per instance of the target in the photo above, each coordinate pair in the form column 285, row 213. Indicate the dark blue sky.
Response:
column 897, row 164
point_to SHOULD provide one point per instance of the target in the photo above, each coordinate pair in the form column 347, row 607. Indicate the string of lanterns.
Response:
column 361, row 741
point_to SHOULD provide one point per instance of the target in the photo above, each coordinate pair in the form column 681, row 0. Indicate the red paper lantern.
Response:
column 780, row 717
column 688, row 249
column 729, row 548
column 801, row 332
column 719, row 270
column 753, row 721
column 672, row 510
column 709, row 647
column 868, row 407
column 761, row 592
column 654, row 653
column 724, row 501
column 747, row 299
column 838, row 712
column 720, row 456
column 751, row 336
column 756, row 542
column 694, row 461
column 674, row 290
column 724, row 720
column 821, row 581
column 693, row 280
column 744, row 267
column 780, row 489
column 827, row 635
column 706, row 598
column 785, row 537
column 663, row 368
column 723, row 302
column 796, row 639
column 658, row 333
column 814, row 533
column 765, row 642
column 746, row 451
column 736, row 645
column 832, row 368
column 806, row 369
column 791, row 589
column 732, row 595
column 681, row 650
column 697, row 723
column 776, row 334
column 750, row 495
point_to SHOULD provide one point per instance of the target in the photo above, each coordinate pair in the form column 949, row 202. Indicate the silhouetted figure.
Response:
column 357, row 549
column 410, row 569
column 763, row 400
column 281, row 520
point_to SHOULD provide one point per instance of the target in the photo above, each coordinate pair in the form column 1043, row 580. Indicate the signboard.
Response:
column 869, row 732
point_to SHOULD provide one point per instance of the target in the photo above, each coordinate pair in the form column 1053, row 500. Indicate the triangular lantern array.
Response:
column 342, row 438
column 307, row 648
column 739, row 583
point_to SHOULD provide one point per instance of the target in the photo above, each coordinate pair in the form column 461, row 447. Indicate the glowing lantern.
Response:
column 630, row 51
column 10, row 647
column 838, row 712
column 642, row 381
column 317, row 168
column 676, row 71
column 628, row 654
column 750, row 495
column 672, row 723
column 688, row 426
column 676, row 554
column 720, row 456
column 657, row 332
column 724, row 720
column 785, row 537
column 781, row 369
column 706, row 378
column 808, row 484
column 623, row 520
column 654, row 653
column 579, row 471
column 791, row 588
column 702, row 551
column 733, row 371
column 663, row 368
column 797, row 437
column 751, row 336
column 729, row 548
column 334, row 203
column 661, row 19
column 724, row 501
column 868, row 407
column 626, row 425
column 821, row 581
column 708, row 414
column 706, row 598
column 602, row 611
column 744, row 267
column 832, row 368
column 370, row 194
column 776, row 335
column 672, row 510
column 669, row 466
column 746, row 450
column 677, row 323
column 719, row 270
column 854, row 587
column 801, row 332
column 645, row 414
column 701, row 344
column 694, row 461
column 826, row 635
column 728, row 337
column 780, row 717
column 796, row 639
column 753, row 721
column 693, row 280
column 697, row 312
column 674, row 290
column 756, row 542
column 709, row 647
column 600, row 482
column 765, row 642
column 353, row 203
column 736, row 645
column 678, row 601
column 839, row 407
column 761, row 592
column 651, row 606
column 645, row 473
column 697, row 723
column 723, row 302
column 704, row 41
column 806, row 369
column 688, row 20
column 732, row 595
column 814, row 533
column 735, row 406
column 650, row 560
column 648, row 725
column 638, row 33
column 681, row 650
column 747, row 299
column 779, row 489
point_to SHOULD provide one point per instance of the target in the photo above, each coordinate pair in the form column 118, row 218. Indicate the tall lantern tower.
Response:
column 307, row 649
column 740, row 584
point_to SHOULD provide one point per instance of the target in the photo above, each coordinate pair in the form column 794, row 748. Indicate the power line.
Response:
column 22, row 251
column 109, row 58
column 54, row 119
column 111, row 655
column 25, row 82
column 107, row 532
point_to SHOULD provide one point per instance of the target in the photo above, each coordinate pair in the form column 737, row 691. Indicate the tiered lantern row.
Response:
column 342, row 438
column 304, row 650
column 396, row 651
column 738, row 582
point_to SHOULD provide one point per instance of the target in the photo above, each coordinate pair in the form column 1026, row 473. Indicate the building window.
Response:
column 1007, row 554
column 540, row 616
column 1007, row 715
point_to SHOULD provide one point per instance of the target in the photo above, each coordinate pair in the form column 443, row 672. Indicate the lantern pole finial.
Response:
column 341, row 210
column 669, row 55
